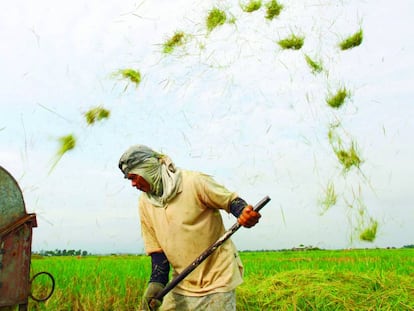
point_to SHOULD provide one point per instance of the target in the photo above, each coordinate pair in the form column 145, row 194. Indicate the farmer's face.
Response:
column 139, row 182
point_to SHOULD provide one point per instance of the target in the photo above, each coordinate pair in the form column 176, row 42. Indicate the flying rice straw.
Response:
column 273, row 9
column 292, row 42
column 370, row 232
column 251, row 6
column 352, row 41
column 176, row 40
column 132, row 75
column 215, row 18
column 67, row 143
column 96, row 114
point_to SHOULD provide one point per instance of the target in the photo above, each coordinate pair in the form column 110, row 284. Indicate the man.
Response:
column 180, row 218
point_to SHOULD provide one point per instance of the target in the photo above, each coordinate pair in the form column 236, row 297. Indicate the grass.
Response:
column 215, row 18
column 273, row 9
column 96, row 114
column 251, row 6
column 292, row 42
column 352, row 41
column 374, row 279
column 176, row 40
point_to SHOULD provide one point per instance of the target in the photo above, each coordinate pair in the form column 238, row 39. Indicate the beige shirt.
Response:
column 186, row 227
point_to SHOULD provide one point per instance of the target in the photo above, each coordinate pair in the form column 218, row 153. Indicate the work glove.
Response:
column 152, row 290
column 249, row 217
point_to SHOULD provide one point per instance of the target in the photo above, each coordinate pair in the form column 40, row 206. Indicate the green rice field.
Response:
column 364, row 279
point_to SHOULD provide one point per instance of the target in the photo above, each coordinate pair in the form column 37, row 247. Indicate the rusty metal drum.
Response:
column 15, row 244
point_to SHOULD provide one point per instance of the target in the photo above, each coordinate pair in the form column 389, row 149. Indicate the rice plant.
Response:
column 176, row 40
column 352, row 41
column 292, row 42
column 96, row 114
column 215, row 18
column 273, row 9
column 252, row 6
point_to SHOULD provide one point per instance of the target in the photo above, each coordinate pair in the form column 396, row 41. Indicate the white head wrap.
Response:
column 156, row 168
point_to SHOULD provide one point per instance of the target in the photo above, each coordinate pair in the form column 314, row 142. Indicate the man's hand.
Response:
column 249, row 217
column 152, row 290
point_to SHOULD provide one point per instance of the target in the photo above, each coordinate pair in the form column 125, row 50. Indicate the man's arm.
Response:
column 160, row 269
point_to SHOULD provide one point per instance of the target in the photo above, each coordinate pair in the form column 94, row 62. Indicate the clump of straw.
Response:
column 96, row 114
column 369, row 233
column 314, row 65
column 66, row 143
column 132, row 75
column 215, row 18
column 330, row 197
column 176, row 40
column 273, row 9
column 292, row 42
column 352, row 41
column 338, row 99
column 348, row 158
column 252, row 6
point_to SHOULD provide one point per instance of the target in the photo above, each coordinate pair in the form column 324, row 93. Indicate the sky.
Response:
column 230, row 103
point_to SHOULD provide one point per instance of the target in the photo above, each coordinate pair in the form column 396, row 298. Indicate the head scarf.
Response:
column 156, row 168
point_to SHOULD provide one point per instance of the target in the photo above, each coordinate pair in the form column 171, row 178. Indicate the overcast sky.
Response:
column 230, row 103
